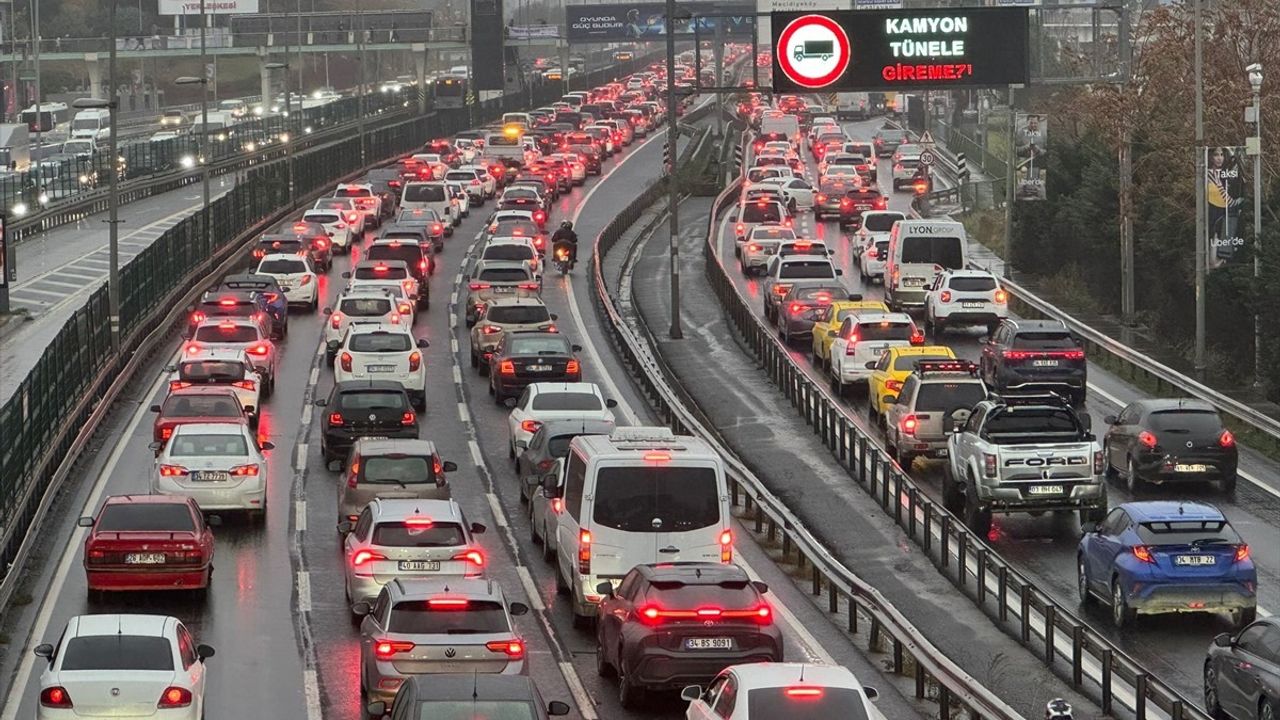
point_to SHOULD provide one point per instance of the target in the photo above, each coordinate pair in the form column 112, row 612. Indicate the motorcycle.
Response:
column 561, row 260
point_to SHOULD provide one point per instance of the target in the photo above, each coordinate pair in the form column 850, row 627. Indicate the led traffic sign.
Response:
column 813, row 51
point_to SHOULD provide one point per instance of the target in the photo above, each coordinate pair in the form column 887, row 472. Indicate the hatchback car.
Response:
column 148, row 542
column 296, row 277
column 1242, row 673
column 505, row 315
column 340, row 232
column 796, row 691
column 545, row 401
column 435, row 225
column 1170, row 441
column 550, row 442
column 493, row 279
column 361, row 305
column 1167, row 557
column 523, row 358
column 196, row 404
column 249, row 304
column 804, row 305
column 222, row 369
column 220, row 466
column 241, row 334
column 919, row 420
column 407, row 538
column 364, row 408
column 759, row 246
column 385, row 353
column 272, row 295
column 378, row 468
column 460, row 695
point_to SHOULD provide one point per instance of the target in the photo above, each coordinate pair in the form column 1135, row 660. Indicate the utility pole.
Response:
column 1010, row 185
column 113, row 196
column 1128, row 305
column 673, row 190
column 363, row 79
column 719, row 54
column 1201, row 235
column 1255, row 149
column 35, row 54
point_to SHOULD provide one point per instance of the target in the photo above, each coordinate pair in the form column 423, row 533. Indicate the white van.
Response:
column 640, row 495
column 427, row 196
column 918, row 251
column 499, row 146
column 517, row 118
column 779, row 126
column 91, row 125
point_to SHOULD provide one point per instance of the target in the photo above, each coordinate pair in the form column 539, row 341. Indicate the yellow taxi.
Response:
column 831, row 320
column 893, row 367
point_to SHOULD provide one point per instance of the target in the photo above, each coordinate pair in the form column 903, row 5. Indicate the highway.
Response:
column 1171, row 646
column 276, row 612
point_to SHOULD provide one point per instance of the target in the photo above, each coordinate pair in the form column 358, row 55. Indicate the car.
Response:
column 872, row 260
column 803, row 305
column 1035, row 356
column 407, row 250
column 760, row 245
column 876, row 225
column 219, row 465
column 523, row 358
column 296, row 278
column 517, row 247
column 1170, row 441
column 364, row 408
column 437, row 625
column 476, row 189
column 243, row 334
column 964, row 297
column 213, row 369
column 384, row 352
column 493, row 279
column 248, row 304
column 887, row 140
column 549, row 443
column 799, row 193
column 378, row 468
column 362, row 305
column 860, row 341
column 458, row 694
column 1162, row 556
column 148, row 542
column 197, row 404
column 335, row 226
column 1242, row 673
column 796, row 691
column 803, row 246
column 431, row 195
column 272, row 295
column 545, row 401
column 934, row 397
column 436, row 227
column 667, row 625
column 891, row 369
column 515, row 223
column 115, row 663
column 353, row 213
column 576, row 165
column 826, row 203
column 461, row 200
column 419, row 235
column 783, row 273
column 906, row 162
column 319, row 250
column 759, row 212
column 859, row 200
column 831, row 317
column 407, row 538
column 378, row 273
column 503, row 315
column 364, row 199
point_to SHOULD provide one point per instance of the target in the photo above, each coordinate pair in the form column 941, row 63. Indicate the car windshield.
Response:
column 280, row 245
column 518, row 314
column 773, row 233
column 508, row 251
column 945, row 251
column 219, row 445
column 372, row 400
column 1197, row 422
column 365, row 307
column 472, row 709
column 908, row 362
column 567, row 401
column 650, row 498
column 281, row 266
column 146, row 517
column 1052, row 340
column 807, row 269
column 829, row 702
column 351, row 192
column 1188, row 532
column 507, row 275
column 425, row 193
column 818, row 294
column 409, row 235
column 1031, row 421
column 475, row 617
column 972, row 283
column 222, row 405
column 880, row 223
column 418, row 215
column 419, row 534
column 396, row 469
column 212, row 371
column 410, row 252
column 117, row 652
column 945, row 397
column 526, row 228
column 460, row 176
column 334, row 204
column 761, row 213
column 380, row 342
column 226, row 333
column 885, row 330
column 539, row 346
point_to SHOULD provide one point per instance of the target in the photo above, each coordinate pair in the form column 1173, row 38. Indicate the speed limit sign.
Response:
column 927, row 158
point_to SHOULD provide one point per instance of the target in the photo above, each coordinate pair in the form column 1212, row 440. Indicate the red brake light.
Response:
column 259, row 349
column 174, row 697
column 726, row 546
column 1143, row 553
column 572, row 367
column 55, row 697
column 917, row 337
column 804, row 693
column 1147, row 439
column 513, row 648
column 364, row 557
column 475, row 557
column 584, row 552
column 345, row 360
column 530, row 425
column 1226, row 439
column 894, row 385
column 404, row 308
column 408, row 418
column 507, row 367
column 1002, row 297
column 335, row 320
column 479, row 286
column 335, row 419
column 945, row 296
column 909, row 425
column 415, row 360
column 386, row 649
column 245, row 471
column 1242, row 552
column 873, row 253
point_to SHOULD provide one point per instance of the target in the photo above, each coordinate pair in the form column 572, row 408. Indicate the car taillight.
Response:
column 917, row 337
column 873, row 253
column 174, row 697
column 479, row 286
column 335, row 419
column 881, row 203
column 172, row 471
column 846, row 202
column 1015, row 354
column 415, row 360
column 584, row 552
column 1097, row 462
column 557, row 505
column 944, row 296
column 797, row 308
column 387, row 649
column 512, row 648
column 178, row 385
column 166, row 433
column 726, row 546
column 1002, row 297
column 539, row 217
column 507, row 367
column 1242, row 552
column 55, row 697
column 572, row 367
column 345, row 360
column 250, row 470
column 364, row 557
column 1143, row 553
column 474, row 557
column 1147, row 439
column 528, row 286
column 340, row 225
column 335, row 321
column 408, row 418
column 1226, row 439
column 851, row 346
column 909, row 425
column 260, row 350
column 530, row 426
column 804, row 693
column 781, row 290
column 404, row 308
column 320, row 244
column 989, row 464
column 198, row 317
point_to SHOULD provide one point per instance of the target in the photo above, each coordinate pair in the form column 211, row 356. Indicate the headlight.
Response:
column 20, row 209
column 187, row 162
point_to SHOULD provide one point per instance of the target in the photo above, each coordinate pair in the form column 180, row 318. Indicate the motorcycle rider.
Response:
column 565, row 237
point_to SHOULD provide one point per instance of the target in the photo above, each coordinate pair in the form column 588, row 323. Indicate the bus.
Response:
column 51, row 115
column 451, row 92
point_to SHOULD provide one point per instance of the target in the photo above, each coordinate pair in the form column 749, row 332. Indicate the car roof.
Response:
column 282, row 256
column 121, row 624
column 486, row 263
column 236, row 294
column 222, row 390
column 254, row 278
column 1021, row 325
column 1158, row 510
column 391, row 446
column 357, row 385
column 147, row 500
column 941, row 350
column 516, row 302
column 209, row 429
column 424, row 587
column 969, row 273
column 584, row 388
column 879, row 316
column 228, row 320
column 577, row 426
column 393, row 508
column 755, row 675
column 214, row 353
column 1166, row 404
column 483, row 686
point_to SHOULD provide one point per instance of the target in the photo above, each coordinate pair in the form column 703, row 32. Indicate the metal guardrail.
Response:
column 1063, row 641
column 912, row 653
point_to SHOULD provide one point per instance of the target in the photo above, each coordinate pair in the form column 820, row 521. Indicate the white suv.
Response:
column 861, row 338
column 384, row 352
column 295, row 277
column 964, row 297
column 359, row 306
column 339, row 230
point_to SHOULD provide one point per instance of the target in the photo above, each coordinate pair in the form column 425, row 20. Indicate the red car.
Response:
column 148, row 542
column 196, row 404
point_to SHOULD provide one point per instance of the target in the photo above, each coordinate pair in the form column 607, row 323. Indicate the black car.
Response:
column 450, row 695
column 858, row 200
column 272, row 294
column 550, row 442
column 1170, row 441
column 522, row 358
column 386, row 184
column 415, row 234
column 408, row 251
column 665, row 626
column 1242, row 673
column 233, row 303
column 427, row 219
column 1034, row 356
column 364, row 408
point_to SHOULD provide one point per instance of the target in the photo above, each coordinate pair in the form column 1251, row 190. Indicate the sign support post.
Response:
column 1010, row 183
column 673, row 185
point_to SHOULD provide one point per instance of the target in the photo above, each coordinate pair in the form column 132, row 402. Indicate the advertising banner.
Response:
column 1224, row 198
column 1030, row 138
column 211, row 7
column 648, row 21
column 532, row 32
column 851, row 50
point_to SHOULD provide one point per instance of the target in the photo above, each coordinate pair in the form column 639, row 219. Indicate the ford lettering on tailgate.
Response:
column 1046, row 462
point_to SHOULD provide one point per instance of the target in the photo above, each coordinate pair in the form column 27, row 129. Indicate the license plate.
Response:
column 1191, row 468
column 501, row 290
column 211, row 476
column 538, row 368
column 942, row 452
column 382, row 368
column 1044, row 363
column 912, row 282
column 420, row 565
column 972, row 305
column 144, row 559
column 1044, row 490
column 1194, row 560
column 708, row 643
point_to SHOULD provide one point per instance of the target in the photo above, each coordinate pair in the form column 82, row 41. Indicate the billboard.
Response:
column 531, row 32
column 902, row 49
column 211, row 7
column 1224, row 198
column 1030, row 138
column 488, row 68
column 648, row 21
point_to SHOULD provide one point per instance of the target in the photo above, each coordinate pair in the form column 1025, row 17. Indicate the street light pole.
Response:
column 1255, row 149
column 673, row 190
column 288, row 136
column 361, row 104
column 202, row 150
column 1201, row 234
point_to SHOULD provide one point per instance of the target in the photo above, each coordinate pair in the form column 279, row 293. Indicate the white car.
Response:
column 577, row 168
column 384, row 352
column 472, row 179
column 861, row 339
column 220, row 366
column 462, row 199
column 796, row 691
column 359, row 305
column 554, row 401
column 352, row 212
column 760, row 245
column 365, row 199
column 237, row 333
column 466, row 149
column 164, row 135
column 872, row 259
column 112, row 666
column 964, row 297
column 876, row 225
column 514, row 248
column 296, row 278
column 795, row 190
column 335, row 225
column 396, row 289
column 848, row 173
column 905, row 163
column 219, row 465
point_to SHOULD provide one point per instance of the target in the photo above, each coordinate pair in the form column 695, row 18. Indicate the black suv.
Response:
column 229, row 304
column 1035, row 356
column 364, row 408
column 858, row 200
column 674, row 624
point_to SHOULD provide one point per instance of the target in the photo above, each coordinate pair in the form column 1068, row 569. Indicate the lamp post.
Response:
column 673, row 190
column 288, row 136
column 1254, row 148
column 202, row 150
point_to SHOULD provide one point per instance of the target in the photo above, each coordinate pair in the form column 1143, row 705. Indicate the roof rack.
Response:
column 930, row 367
column 641, row 433
column 1045, row 398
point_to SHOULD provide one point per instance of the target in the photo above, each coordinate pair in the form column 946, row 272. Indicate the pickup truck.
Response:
column 1030, row 454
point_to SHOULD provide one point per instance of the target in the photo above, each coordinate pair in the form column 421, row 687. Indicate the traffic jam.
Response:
column 633, row 522
column 984, row 408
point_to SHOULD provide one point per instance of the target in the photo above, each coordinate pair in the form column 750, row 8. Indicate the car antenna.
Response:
column 801, row 673
column 475, row 686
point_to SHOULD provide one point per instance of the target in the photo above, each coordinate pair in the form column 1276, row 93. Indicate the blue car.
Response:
column 1167, row 557
column 267, row 287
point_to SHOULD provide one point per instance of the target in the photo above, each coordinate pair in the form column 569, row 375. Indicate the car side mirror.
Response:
column 871, row 693
column 213, row 521
column 691, row 693
column 1087, row 421
column 204, row 652
column 605, row 588
column 346, row 275
column 477, row 529
column 361, row 608
column 321, row 402
column 86, row 521
column 1089, row 527
column 611, row 403
column 1109, row 419
column 1220, row 640
column 345, row 526
column 376, row 709
column 328, row 311
column 422, row 343
column 509, row 402
column 555, row 707
column 761, row 586
column 890, row 400
column 839, row 271
column 155, row 408
column 855, row 297
column 577, row 348
column 44, row 650
column 449, row 466
column 155, row 446
column 267, row 446
column 171, row 368
column 871, row 365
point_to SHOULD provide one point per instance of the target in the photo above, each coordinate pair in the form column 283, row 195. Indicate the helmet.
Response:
column 566, row 225
column 1058, row 709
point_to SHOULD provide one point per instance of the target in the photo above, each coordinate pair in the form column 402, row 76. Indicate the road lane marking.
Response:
column 476, row 457
column 300, row 516
column 530, row 588
column 498, row 515
column 315, row 377
column 585, row 706
column 311, row 688
column 453, row 345
column 463, row 414
column 304, row 591
column 306, row 415
column 300, row 453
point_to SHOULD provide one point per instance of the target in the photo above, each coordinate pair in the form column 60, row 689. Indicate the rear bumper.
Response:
column 244, row 496
column 660, row 669
column 384, row 681
column 514, row 385
column 797, row 327
column 1152, row 599
column 128, row 579
column 1009, row 498
column 971, row 317
column 337, row 442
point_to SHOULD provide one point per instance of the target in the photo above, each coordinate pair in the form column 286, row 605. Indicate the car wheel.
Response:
column 1133, row 479
column 976, row 519
column 548, row 552
column 603, row 668
column 562, row 587
column 1211, row 704
column 1266, row 709
column 1108, row 470
column 1245, row 616
column 1227, row 484
column 629, row 696
column 952, row 491
column 1082, row 584
column 1121, row 614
